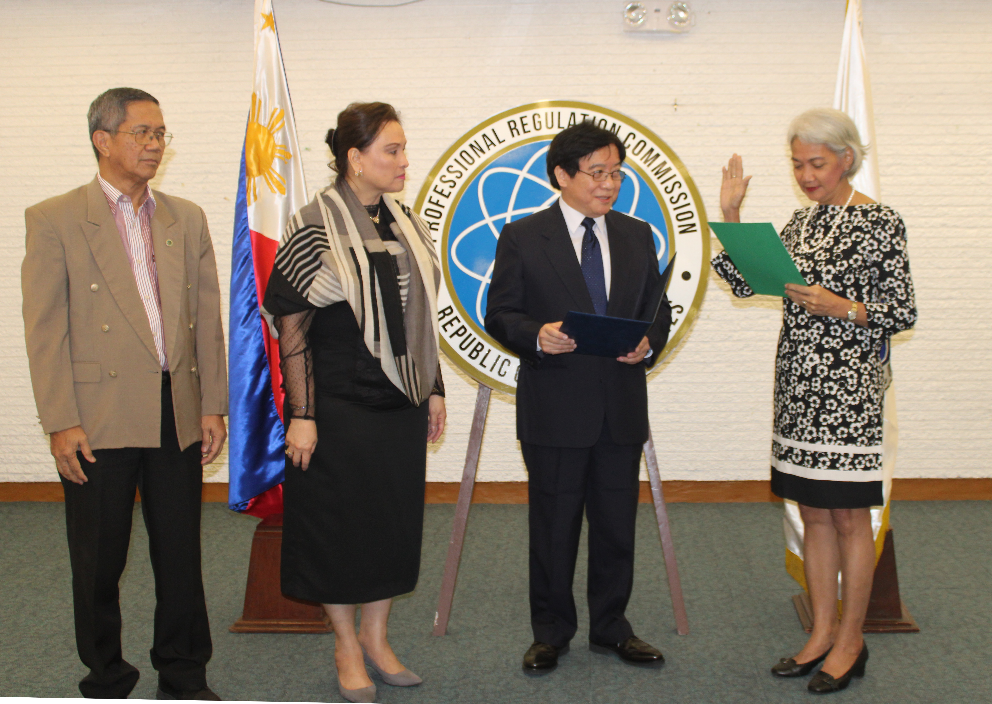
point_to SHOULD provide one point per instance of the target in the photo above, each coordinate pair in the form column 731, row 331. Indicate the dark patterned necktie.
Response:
column 592, row 268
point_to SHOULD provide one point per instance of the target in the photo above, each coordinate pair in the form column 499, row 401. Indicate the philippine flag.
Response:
column 271, row 188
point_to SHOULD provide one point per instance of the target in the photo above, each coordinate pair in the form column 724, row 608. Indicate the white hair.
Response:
column 831, row 128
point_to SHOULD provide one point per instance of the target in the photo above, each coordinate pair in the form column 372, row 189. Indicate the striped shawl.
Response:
column 331, row 252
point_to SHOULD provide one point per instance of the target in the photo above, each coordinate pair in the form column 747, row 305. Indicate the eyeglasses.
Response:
column 143, row 137
column 599, row 175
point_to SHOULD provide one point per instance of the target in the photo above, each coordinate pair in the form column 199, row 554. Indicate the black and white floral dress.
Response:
column 831, row 374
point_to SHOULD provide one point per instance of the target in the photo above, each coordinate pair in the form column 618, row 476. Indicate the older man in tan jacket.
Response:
column 126, row 348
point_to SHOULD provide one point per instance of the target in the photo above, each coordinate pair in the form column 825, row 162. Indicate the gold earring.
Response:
column 358, row 173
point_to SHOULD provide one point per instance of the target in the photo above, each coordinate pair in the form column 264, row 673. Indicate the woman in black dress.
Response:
column 354, row 299
column 830, row 378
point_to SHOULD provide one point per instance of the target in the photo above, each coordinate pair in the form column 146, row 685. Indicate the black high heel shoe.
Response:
column 822, row 683
column 788, row 667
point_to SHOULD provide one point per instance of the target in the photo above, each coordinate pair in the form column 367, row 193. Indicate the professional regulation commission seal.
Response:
column 496, row 173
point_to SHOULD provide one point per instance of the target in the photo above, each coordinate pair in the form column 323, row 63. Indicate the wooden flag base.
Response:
column 267, row 610
column 886, row 611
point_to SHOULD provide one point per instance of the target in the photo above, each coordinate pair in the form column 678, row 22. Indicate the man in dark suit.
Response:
column 126, row 349
column 581, row 419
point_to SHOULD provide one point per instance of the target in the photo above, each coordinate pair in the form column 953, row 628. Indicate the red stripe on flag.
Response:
column 263, row 252
column 266, row 504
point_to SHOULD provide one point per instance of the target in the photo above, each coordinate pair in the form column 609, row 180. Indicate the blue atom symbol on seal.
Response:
column 512, row 187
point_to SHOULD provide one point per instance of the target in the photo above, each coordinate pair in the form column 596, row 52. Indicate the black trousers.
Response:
column 98, row 523
column 601, row 479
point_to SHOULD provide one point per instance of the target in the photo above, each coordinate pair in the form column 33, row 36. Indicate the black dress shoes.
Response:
column 542, row 658
column 822, row 683
column 788, row 667
column 204, row 695
column 633, row 650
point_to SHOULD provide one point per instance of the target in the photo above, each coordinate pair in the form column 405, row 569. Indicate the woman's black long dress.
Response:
column 353, row 520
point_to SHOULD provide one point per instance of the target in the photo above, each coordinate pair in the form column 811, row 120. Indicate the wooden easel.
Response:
column 447, row 594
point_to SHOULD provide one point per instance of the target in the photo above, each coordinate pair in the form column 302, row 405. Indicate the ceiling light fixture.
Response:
column 656, row 17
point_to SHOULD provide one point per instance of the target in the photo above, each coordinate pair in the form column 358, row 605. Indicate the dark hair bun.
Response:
column 329, row 139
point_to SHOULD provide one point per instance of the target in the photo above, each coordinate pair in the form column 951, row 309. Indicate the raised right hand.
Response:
column 65, row 444
column 732, row 189
column 301, row 441
column 554, row 341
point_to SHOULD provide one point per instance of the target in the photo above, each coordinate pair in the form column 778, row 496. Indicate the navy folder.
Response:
column 604, row 336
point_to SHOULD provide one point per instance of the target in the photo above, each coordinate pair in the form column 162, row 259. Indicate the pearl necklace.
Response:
column 803, row 247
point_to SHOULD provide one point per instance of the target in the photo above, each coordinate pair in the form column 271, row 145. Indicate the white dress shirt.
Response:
column 135, row 229
column 573, row 221
column 576, row 231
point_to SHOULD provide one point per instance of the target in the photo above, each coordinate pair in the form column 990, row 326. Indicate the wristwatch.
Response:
column 853, row 313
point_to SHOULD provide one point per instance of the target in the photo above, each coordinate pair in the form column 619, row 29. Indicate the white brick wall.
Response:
column 738, row 77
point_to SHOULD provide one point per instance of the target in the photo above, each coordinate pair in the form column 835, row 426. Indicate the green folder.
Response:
column 758, row 253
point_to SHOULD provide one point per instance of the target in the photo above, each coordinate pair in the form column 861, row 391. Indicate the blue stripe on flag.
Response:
column 257, row 439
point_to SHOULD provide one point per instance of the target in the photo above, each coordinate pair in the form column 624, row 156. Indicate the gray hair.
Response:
column 831, row 128
column 109, row 110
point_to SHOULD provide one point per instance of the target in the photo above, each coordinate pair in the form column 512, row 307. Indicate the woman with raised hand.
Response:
column 354, row 297
column 830, row 378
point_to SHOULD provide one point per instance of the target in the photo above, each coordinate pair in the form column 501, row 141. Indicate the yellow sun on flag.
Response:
column 261, row 151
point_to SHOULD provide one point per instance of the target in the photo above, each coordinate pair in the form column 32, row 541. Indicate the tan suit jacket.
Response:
column 90, row 347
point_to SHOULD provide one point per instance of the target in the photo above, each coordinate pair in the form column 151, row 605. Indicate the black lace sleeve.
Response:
column 296, row 363
column 438, row 389
column 292, row 315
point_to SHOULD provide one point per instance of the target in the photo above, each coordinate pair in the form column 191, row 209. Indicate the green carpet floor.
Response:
column 731, row 559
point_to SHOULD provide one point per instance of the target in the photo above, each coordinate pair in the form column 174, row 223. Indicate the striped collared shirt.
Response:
column 135, row 230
